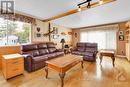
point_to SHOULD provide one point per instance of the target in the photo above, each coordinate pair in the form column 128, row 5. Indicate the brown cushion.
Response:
column 91, row 45
column 39, row 59
column 90, row 49
column 81, row 49
column 51, row 55
column 51, row 50
column 43, row 51
column 29, row 47
column 76, row 52
column 34, row 53
column 42, row 46
column 59, row 53
column 50, row 45
column 87, row 54
column 81, row 44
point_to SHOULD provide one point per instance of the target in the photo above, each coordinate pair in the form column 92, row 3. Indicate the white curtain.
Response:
column 104, row 36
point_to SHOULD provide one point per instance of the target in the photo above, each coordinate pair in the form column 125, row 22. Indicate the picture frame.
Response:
column 38, row 35
column 121, row 33
column 38, row 29
column 75, row 35
column 55, row 36
column 55, row 30
column 121, row 37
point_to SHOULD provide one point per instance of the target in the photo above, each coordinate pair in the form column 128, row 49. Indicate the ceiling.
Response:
column 43, row 9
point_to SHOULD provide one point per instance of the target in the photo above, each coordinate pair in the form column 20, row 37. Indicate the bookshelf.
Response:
column 127, row 36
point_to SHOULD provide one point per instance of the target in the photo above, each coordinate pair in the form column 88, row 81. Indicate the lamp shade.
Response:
column 62, row 41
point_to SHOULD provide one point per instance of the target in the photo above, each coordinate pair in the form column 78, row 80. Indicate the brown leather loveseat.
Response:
column 87, row 50
column 35, row 55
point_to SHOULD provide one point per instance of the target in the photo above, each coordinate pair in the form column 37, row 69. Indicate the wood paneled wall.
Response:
column 121, row 44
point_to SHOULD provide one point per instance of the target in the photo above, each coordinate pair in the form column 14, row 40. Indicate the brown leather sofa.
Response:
column 87, row 50
column 35, row 55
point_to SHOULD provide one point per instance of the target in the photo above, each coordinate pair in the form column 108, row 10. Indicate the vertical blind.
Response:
column 106, row 38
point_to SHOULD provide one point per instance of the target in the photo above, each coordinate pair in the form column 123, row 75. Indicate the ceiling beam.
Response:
column 95, row 4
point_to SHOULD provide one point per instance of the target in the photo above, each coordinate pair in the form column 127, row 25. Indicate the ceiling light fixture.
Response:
column 100, row 2
column 88, row 6
column 79, row 8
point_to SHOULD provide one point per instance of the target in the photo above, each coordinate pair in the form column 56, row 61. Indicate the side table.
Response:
column 12, row 65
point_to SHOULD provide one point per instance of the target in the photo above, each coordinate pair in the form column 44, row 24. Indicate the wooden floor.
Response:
column 93, row 75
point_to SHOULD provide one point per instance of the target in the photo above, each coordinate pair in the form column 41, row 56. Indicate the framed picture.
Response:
column 75, row 35
column 55, row 30
column 121, row 37
column 38, row 35
column 121, row 33
column 55, row 36
column 63, row 33
column 69, row 33
column 38, row 29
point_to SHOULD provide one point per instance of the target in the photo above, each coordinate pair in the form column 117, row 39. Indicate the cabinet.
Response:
column 127, row 36
column 12, row 65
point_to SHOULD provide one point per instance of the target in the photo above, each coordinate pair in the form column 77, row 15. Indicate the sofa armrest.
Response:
column 28, row 62
column 73, row 49
column 27, row 55
column 95, row 53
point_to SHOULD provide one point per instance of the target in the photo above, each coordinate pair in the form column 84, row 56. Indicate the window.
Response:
column 14, row 32
column 106, row 38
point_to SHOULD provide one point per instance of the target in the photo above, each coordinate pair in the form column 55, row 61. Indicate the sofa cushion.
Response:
column 52, row 50
column 50, row 45
column 76, row 52
column 90, row 49
column 81, row 44
column 34, row 53
column 81, row 49
column 59, row 53
column 39, row 59
column 51, row 55
column 29, row 47
column 43, row 51
column 42, row 46
column 90, row 54
column 88, row 58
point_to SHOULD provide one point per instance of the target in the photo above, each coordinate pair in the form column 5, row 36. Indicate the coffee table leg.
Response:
column 100, row 59
column 113, row 61
column 46, row 70
column 62, row 75
column 82, row 64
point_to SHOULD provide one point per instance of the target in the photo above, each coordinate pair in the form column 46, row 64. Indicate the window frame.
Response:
column 7, row 34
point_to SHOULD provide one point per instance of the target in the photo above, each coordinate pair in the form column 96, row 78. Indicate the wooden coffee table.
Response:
column 109, row 53
column 63, row 64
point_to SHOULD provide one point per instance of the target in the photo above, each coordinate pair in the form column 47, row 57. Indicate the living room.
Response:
column 85, row 42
